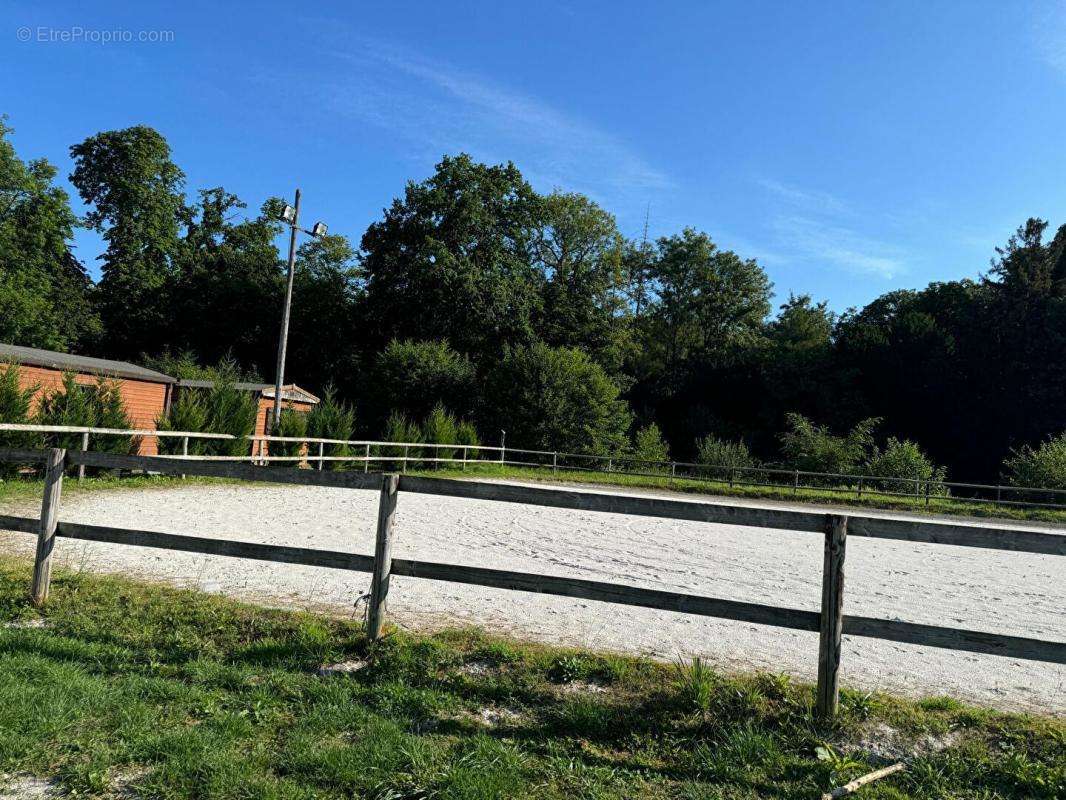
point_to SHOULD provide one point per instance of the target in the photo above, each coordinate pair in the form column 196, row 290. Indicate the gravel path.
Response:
column 988, row 590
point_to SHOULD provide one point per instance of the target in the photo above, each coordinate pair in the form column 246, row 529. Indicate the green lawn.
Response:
column 175, row 694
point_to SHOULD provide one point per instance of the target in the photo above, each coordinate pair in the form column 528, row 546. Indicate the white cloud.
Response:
column 804, row 198
column 816, row 240
column 435, row 109
column 1050, row 30
column 815, row 228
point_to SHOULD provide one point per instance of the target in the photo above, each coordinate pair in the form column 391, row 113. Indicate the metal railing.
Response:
column 405, row 455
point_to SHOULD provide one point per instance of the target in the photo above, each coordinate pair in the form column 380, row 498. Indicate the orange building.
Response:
column 145, row 392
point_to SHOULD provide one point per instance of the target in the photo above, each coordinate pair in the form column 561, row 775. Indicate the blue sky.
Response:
column 851, row 147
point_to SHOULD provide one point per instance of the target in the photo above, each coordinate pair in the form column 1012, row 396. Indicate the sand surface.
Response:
column 1001, row 592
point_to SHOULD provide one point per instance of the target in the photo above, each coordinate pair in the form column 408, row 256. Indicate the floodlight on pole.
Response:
column 290, row 215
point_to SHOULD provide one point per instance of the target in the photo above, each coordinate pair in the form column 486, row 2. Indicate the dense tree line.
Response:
column 532, row 312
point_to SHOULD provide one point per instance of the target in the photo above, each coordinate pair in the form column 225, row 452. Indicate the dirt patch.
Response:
column 28, row 787
column 882, row 743
column 582, row 687
column 343, row 668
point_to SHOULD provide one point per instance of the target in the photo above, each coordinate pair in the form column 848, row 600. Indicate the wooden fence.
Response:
column 830, row 621
column 399, row 455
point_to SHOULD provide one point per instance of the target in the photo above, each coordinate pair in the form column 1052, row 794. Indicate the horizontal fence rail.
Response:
column 402, row 455
column 830, row 622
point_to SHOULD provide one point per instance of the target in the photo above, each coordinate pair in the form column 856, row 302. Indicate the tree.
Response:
column 227, row 278
column 45, row 293
column 412, row 377
column 708, row 301
column 134, row 192
column 451, row 260
column 907, row 466
column 556, row 399
column 1043, row 467
column 326, row 296
column 649, row 446
column 579, row 252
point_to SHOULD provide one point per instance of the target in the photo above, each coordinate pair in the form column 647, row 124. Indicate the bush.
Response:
column 440, row 427
column 812, row 448
column 413, row 377
column 649, row 448
column 557, row 399
column 1043, row 468
column 187, row 413
column 332, row 419
column 111, row 413
column 15, row 404
column 732, row 459
column 291, row 424
column 86, row 406
column 905, row 460
column 399, row 428
column 229, row 410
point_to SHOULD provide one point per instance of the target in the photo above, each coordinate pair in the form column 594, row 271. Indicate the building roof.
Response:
column 290, row 391
column 32, row 357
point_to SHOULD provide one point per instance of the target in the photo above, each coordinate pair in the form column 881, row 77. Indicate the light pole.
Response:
column 290, row 215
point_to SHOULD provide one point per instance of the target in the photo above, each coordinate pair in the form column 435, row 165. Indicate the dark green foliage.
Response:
column 292, row 424
column 905, row 460
column 45, row 293
column 229, row 410
column 135, row 199
column 648, row 448
column 727, row 459
column 332, row 419
column 1044, row 467
column 398, row 428
column 15, row 405
column 451, row 260
column 413, row 377
column 187, row 413
column 557, row 399
column 223, row 408
column 96, row 405
column 466, row 433
column 812, row 448
column 440, row 427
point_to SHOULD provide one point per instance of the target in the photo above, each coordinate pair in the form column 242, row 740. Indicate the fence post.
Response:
column 366, row 464
column 55, row 461
column 406, row 450
column 832, row 617
column 321, row 452
column 928, row 487
column 673, row 469
column 379, row 585
column 464, row 458
column 555, row 462
column 503, row 445
column 859, row 492
column 84, row 447
column 796, row 482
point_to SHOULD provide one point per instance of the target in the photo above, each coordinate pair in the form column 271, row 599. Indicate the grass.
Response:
column 26, row 490
column 168, row 693
column 869, row 499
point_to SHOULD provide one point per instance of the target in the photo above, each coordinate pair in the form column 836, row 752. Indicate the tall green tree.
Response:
column 452, row 260
column 135, row 199
column 227, row 277
column 708, row 301
column 45, row 293
column 579, row 251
